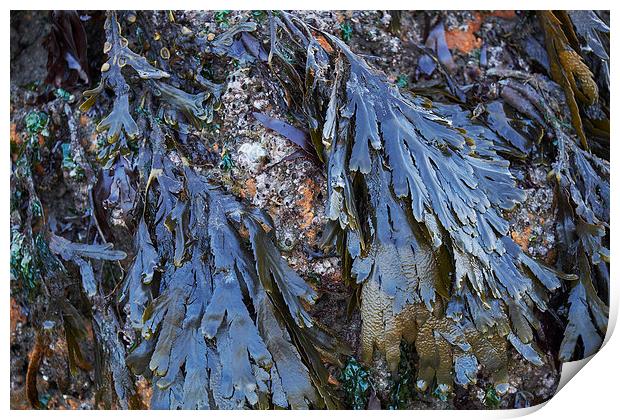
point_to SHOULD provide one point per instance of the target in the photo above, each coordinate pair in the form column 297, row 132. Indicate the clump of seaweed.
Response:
column 221, row 317
column 415, row 194
column 41, row 267
column 567, row 66
column 582, row 196
column 220, row 312
column 195, row 107
column 40, row 276
column 116, row 47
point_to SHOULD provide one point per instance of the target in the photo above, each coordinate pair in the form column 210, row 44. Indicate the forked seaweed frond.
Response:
column 222, row 319
column 415, row 195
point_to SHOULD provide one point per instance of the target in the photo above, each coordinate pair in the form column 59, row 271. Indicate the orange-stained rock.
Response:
column 551, row 257
column 308, row 191
column 522, row 238
column 15, row 137
column 504, row 14
column 250, row 188
column 145, row 391
column 16, row 316
column 466, row 41
column 333, row 381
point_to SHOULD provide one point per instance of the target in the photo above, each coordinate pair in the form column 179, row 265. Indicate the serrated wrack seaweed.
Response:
column 119, row 55
column 196, row 108
column 225, row 324
column 582, row 199
column 417, row 191
column 77, row 253
column 109, row 349
column 222, row 319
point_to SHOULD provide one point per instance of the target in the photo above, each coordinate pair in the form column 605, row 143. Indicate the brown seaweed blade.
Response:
column 227, row 328
column 417, row 192
column 119, row 55
column 67, row 49
column 569, row 70
column 222, row 318
column 196, row 108
column 582, row 196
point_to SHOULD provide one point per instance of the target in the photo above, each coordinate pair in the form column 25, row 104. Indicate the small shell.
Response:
column 107, row 47
column 105, row 67
column 210, row 37
column 164, row 53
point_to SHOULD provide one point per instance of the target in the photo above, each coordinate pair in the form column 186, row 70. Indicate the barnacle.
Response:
column 416, row 191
